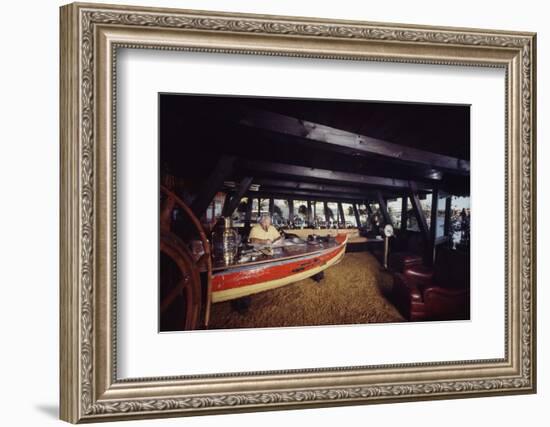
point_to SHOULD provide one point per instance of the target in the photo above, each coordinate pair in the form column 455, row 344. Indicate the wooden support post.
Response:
column 368, row 206
column 271, row 206
column 417, row 209
column 314, row 211
column 232, row 204
column 248, row 216
column 357, row 216
column 448, row 202
column 291, row 211
column 226, row 203
column 325, row 207
column 259, row 207
column 404, row 206
column 430, row 254
column 308, row 216
column 341, row 212
column 212, row 185
column 386, row 251
column 383, row 208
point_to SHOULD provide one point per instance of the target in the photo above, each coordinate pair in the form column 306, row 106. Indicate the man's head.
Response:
column 265, row 220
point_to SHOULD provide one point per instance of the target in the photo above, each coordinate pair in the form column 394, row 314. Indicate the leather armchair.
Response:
column 439, row 293
column 406, row 251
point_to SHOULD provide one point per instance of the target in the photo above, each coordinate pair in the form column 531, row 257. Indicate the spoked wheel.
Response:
column 180, row 285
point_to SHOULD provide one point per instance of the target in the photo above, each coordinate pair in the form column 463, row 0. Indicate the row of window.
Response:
column 459, row 212
column 281, row 212
column 345, row 217
column 318, row 216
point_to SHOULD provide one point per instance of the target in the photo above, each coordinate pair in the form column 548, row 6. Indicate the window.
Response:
column 254, row 216
column 239, row 215
column 214, row 210
column 426, row 209
column 281, row 213
column 375, row 209
column 363, row 215
column 394, row 209
column 259, row 207
column 333, row 215
column 460, row 220
column 300, row 214
column 318, row 214
column 440, row 217
column 426, row 206
column 349, row 215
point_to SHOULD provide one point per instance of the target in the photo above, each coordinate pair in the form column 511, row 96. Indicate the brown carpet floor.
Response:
column 352, row 292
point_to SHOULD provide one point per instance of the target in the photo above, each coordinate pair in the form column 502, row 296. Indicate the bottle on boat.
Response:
column 225, row 241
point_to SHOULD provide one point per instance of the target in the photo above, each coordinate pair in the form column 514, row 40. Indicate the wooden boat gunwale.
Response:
column 233, row 267
column 248, row 272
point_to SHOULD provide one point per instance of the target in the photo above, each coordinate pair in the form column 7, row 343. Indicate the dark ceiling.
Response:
column 195, row 131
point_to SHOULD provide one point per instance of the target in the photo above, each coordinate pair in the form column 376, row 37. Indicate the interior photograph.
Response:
column 282, row 212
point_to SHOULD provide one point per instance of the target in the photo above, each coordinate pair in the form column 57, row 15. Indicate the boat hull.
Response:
column 246, row 281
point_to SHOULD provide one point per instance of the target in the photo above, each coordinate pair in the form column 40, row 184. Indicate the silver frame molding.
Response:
column 90, row 37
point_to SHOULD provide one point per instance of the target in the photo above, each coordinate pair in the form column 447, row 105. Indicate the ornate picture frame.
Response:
column 90, row 37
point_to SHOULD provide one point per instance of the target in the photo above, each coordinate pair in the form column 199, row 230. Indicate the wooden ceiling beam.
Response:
column 241, row 190
column 352, row 143
column 310, row 186
column 334, row 177
column 308, row 195
column 213, row 184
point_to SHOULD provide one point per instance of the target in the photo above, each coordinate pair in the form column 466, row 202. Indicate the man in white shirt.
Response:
column 264, row 232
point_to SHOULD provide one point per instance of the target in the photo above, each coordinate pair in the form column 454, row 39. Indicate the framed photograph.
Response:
column 266, row 212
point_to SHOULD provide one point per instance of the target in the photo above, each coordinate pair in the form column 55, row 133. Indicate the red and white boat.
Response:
column 181, row 288
column 288, row 264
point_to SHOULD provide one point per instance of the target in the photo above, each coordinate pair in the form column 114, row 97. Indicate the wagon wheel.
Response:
column 181, row 271
column 180, row 285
